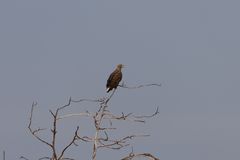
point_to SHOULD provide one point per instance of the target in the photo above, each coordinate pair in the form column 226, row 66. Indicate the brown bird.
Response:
column 114, row 78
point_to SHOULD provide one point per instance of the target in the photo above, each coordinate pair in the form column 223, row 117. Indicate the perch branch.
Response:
column 123, row 85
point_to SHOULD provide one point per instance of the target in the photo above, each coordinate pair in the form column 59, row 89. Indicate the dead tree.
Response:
column 101, row 138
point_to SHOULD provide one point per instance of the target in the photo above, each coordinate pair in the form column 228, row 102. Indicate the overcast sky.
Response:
column 51, row 50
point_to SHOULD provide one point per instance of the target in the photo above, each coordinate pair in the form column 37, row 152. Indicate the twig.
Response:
column 140, row 155
column 88, row 100
column 149, row 116
column 22, row 157
column 139, row 86
column 87, row 114
column 116, row 144
column 33, row 132
column 71, row 142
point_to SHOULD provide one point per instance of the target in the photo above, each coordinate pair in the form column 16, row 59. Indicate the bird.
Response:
column 114, row 78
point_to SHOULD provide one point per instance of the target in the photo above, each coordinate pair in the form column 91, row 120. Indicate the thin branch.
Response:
column 86, row 114
column 88, row 100
column 140, row 155
column 54, row 132
column 45, row 158
column 86, row 139
column 110, row 96
column 130, row 116
column 66, row 105
column 34, row 132
column 22, row 157
column 149, row 116
column 139, row 86
column 71, row 142
column 116, row 144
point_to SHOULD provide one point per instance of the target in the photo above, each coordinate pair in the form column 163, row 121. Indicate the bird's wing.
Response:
column 119, row 77
column 110, row 79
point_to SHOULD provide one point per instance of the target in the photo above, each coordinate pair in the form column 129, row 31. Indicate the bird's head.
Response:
column 120, row 66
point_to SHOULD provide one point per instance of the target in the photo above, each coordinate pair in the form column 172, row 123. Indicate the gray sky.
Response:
column 50, row 50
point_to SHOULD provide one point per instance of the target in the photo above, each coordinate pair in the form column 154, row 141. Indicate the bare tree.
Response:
column 101, row 138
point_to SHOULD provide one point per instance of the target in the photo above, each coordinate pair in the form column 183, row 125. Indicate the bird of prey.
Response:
column 114, row 78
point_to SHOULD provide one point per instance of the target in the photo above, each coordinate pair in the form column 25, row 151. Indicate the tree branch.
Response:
column 52, row 144
column 139, row 86
column 140, row 155
column 71, row 142
column 34, row 132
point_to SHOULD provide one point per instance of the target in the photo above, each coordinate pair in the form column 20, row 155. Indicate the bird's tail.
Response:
column 108, row 89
